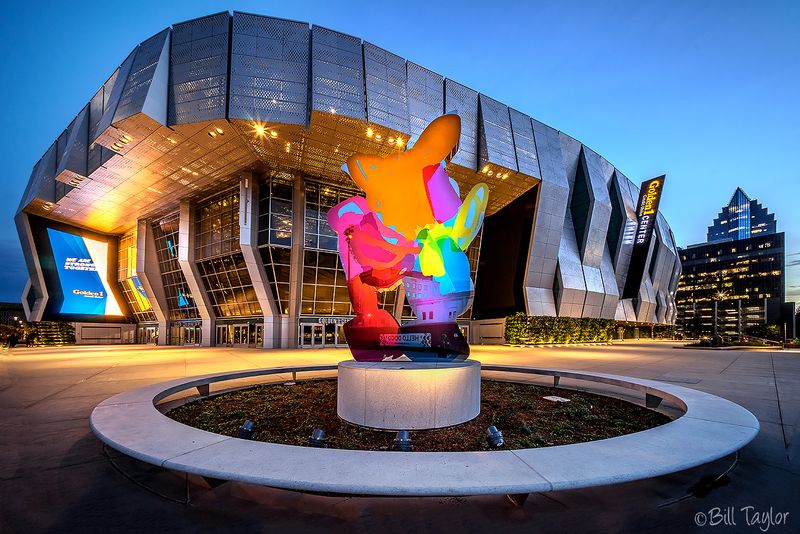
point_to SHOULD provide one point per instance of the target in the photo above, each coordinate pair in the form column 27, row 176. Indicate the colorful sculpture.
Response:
column 412, row 228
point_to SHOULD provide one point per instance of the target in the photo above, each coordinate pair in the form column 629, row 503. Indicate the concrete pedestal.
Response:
column 408, row 395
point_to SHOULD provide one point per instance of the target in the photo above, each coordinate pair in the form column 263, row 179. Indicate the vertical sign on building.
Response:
column 646, row 212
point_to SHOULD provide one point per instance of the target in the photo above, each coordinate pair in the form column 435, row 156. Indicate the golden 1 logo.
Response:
column 649, row 209
column 650, row 200
column 89, row 294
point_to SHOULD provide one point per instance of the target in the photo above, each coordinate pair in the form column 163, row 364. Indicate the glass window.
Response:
column 180, row 302
column 229, row 287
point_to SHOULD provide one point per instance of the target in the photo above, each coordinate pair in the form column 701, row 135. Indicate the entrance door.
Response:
column 151, row 334
column 312, row 336
column 257, row 335
column 222, row 335
column 241, row 336
column 190, row 335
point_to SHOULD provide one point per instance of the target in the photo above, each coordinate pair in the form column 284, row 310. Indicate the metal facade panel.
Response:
column 41, row 184
column 199, row 70
column 74, row 158
column 337, row 71
column 600, row 208
column 138, row 82
column 464, row 101
column 495, row 140
column 425, row 97
column 611, row 298
column 111, row 98
column 524, row 143
column 385, row 79
column 269, row 69
column 548, row 228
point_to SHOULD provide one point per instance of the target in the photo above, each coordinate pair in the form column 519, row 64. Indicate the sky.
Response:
column 707, row 93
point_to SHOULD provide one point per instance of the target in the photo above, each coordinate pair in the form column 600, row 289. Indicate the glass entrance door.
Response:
column 240, row 335
column 222, row 335
column 190, row 335
column 312, row 336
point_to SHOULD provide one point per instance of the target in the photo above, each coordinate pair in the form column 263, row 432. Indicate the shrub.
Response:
column 522, row 329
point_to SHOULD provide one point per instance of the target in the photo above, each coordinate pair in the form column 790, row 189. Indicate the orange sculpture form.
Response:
column 412, row 228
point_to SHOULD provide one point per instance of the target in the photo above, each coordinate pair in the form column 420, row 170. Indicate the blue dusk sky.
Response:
column 706, row 92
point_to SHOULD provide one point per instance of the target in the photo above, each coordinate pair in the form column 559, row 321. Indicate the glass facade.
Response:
column 275, row 212
column 324, row 290
column 319, row 199
column 275, row 220
column 229, row 287
column 740, row 278
column 219, row 259
column 217, row 225
column 277, row 262
column 180, row 303
column 740, row 219
column 135, row 295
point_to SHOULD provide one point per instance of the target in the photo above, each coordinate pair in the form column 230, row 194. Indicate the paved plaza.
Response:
column 55, row 477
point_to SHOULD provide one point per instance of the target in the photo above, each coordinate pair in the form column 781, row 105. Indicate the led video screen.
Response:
column 82, row 266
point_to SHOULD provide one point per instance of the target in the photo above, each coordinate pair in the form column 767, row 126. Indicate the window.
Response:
column 275, row 212
column 217, row 225
column 319, row 199
column 277, row 261
column 179, row 299
column 228, row 285
column 129, row 280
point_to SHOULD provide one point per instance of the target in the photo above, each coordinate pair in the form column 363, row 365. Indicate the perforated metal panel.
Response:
column 41, row 184
column 464, row 101
column 199, row 70
column 112, row 95
column 73, row 160
column 425, row 92
column 524, row 143
column 269, row 69
column 140, row 77
column 496, row 143
column 337, row 72
column 385, row 75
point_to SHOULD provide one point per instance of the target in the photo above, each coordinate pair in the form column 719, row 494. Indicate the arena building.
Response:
column 186, row 202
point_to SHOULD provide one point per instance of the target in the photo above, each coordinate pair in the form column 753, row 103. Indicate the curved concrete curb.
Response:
column 711, row 428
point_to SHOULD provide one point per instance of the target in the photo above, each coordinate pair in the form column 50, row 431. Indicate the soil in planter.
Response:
column 288, row 413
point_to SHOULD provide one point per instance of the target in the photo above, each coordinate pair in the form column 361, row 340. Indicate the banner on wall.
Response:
column 646, row 213
column 82, row 269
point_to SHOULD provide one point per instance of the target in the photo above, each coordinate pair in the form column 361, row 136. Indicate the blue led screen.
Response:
column 82, row 267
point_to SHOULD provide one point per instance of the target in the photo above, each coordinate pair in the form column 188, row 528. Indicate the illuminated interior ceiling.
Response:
column 162, row 165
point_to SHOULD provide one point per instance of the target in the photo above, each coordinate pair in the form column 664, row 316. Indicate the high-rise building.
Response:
column 738, row 275
column 740, row 219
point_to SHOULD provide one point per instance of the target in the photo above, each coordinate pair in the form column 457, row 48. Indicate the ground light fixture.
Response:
column 318, row 439
column 402, row 442
column 247, row 429
column 495, row 437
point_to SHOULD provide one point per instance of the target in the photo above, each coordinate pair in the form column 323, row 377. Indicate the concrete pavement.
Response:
column 54, row 476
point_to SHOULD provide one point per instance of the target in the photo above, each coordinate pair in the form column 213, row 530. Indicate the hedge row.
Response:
column 521, row 328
